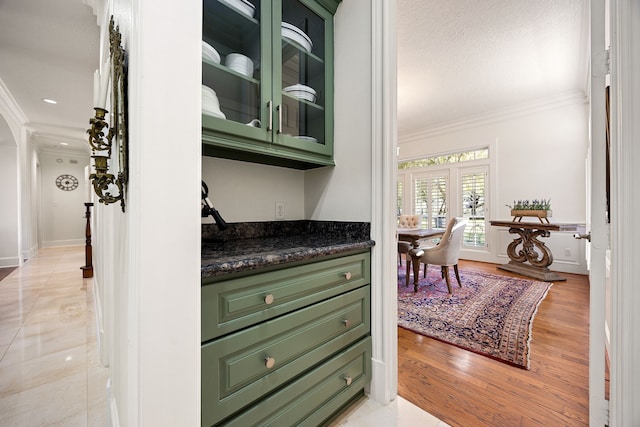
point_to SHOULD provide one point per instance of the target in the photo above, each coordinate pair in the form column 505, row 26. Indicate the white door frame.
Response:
column 625, row 202
column 598, row 406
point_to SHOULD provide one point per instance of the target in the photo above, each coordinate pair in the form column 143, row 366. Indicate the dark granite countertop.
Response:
column 245, row 247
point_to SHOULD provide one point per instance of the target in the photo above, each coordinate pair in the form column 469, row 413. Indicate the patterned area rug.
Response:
column 490, row 315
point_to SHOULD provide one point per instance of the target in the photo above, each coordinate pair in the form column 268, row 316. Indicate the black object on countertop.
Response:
column 208, row 209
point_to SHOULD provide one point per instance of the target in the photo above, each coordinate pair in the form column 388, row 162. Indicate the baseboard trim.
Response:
column 113, row 420
column 378, row 390
column 10, row 262
column 30, row 253
column 70, row 242
column 103, row 348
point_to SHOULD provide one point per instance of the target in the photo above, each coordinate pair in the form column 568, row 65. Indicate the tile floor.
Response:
column 49, row 368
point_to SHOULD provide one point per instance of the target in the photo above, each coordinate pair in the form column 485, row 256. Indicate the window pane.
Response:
column 430, row 200
column 438, row 202
column 421, row 198
column 462, row 156
column 473, row 208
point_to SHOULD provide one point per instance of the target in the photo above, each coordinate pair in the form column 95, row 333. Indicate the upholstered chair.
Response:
column 409, row 221
column 406, row 221
column 404, row 248
column 444, row 254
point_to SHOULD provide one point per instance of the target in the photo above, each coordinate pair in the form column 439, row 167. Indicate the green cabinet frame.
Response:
column 271, row 143
column 288, row 346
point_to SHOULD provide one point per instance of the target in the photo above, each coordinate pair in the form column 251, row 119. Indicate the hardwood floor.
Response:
column 466, row 389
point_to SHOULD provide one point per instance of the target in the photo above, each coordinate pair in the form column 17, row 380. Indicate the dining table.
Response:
column 413, row 236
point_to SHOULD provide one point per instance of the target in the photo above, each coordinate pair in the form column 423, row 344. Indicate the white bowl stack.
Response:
column 209, row 53
column 210, row 103
column 243, row 6
column 306, row 138
column 239, row 63
column 296, row 35
column 301, row 92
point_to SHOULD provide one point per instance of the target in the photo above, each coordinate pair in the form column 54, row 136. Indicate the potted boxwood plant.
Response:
column 540, row 209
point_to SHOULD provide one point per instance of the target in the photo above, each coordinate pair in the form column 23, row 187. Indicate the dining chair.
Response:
column 409, row 221
column 444, row 254
column 406, row 221
column 404, row 248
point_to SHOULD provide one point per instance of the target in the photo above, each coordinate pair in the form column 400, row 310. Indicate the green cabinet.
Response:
column 267, row 76
column 286, row 347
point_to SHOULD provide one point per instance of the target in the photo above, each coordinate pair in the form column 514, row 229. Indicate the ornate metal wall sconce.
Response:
column 104, row 183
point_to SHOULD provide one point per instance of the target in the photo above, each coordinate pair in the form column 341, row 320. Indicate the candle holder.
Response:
column 102, row 181
column 115, row 139
column 98, row 139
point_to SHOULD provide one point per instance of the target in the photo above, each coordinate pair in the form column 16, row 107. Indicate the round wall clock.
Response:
column 67, row 182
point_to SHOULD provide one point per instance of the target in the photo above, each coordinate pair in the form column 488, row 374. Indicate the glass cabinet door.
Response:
column 302, row 34
column 235, row 66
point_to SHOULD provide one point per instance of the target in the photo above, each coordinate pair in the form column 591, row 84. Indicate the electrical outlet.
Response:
column 280, row 211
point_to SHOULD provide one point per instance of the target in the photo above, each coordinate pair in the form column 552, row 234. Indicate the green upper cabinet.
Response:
column 267, row 76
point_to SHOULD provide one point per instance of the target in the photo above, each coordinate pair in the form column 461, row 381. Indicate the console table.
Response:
column 524, row 258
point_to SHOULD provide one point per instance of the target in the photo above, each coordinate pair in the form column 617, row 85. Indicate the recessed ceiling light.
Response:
column 49, row 101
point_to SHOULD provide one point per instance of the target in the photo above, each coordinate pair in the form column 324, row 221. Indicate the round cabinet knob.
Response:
column 347, row 275
column 268, row 299
column 346, row 323
column 348, row 380
column 269, row 362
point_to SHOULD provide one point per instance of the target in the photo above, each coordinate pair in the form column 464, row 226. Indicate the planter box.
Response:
column 540, row 214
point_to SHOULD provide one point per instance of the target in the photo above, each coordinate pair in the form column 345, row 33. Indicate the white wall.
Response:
column 243, row 191
column 9, row 238
column 62, row 212
column 343, row 193
column 247, row 192
column 539, row 153
column 148, row 261
column 27, row 184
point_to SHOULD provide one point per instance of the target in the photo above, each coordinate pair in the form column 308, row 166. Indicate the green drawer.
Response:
column 242, row 367
column 233, row 304
column 317, row 395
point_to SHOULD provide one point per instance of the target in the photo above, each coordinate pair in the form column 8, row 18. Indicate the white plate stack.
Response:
column 301, row 92
column 209, row 53
column 243, row 6
column 240, row 64
column 296, row 35
column 210, row 103
column 306, row 138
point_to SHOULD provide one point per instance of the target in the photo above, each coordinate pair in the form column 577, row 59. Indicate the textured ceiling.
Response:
column 49, row 49
column 458, row 59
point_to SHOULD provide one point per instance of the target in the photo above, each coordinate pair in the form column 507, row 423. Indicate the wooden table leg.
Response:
column 87, row 269
column 525, row 260
column 416, row 253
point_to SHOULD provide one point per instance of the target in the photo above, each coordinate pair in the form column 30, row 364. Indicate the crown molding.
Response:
column 64, row 134
column 70, row 152
column 45, row 137
column 519, row 110
column 11, row 111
